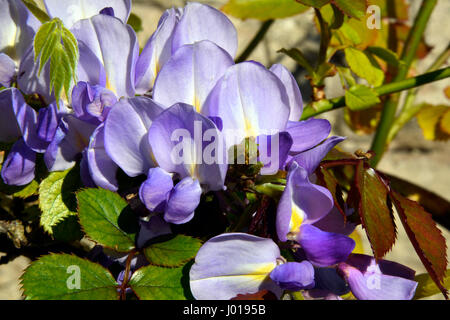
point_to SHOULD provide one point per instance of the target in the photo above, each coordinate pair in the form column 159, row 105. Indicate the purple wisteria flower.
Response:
column 239, row 263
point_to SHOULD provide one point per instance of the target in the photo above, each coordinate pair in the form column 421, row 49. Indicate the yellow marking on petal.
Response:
column 258, row 272
column 249, row 128
column 297, row 217
column 109, row 86
column 196, row 103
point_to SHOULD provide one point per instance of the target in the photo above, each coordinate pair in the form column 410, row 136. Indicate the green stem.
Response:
column 255, row 41
column 324, row 38
column 408, row 54
column 393, row 87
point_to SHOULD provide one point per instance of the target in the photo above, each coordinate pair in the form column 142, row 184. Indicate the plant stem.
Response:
column 324, row 38
column 339, row 102
column 255, row 41
column 408, row 54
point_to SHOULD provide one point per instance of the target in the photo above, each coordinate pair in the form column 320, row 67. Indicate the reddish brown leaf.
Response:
column 260, row 295
column 327, row 180
column 375, row 210
column 425, row 237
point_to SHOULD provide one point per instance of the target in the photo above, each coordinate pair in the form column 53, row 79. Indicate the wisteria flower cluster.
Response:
column 196, row 145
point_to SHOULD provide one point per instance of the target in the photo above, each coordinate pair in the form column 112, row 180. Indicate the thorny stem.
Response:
column 255, row 41
column 408, row 54
column 126, row 276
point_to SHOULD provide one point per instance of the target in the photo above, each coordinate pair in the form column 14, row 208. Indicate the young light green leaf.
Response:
column 172, row 252
column 106, row 218
column 434, row 121
column 41, row 15
column 263, row 9
column 56, row 43
column 346, row 77
column 314, row 3
column 57, row 197
column 427, row 287
column 158, row 283
column 68, row 277
column 298, row 56
column 360, row 97
column 363, row 66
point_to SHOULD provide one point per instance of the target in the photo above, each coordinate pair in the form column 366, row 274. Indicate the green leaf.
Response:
column 352, row 8
column 56, row 43
column 425, row 237
column 135, row 22
column 55, row 277
column 332, row 16
column 427, row 287
column 314, row 3
column 364, row 67
column 385, row 54
column 41, row 15
column 270, row 189
column 107, row 219
column 158, row 283
column 57, row 197
column 376, row 215
column 173, row 252
column 346, row 76
column 360, row 97
column 299, row 57
column 263, row 9
column 68, row 230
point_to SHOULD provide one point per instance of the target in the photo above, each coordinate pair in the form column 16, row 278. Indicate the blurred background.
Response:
column 410, row 156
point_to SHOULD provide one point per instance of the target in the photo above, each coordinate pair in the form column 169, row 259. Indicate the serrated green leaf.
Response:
column 56, row 43
column 107, row 219
column 41, row 15
column 385, row 54
column 352, row 8
column 427, row 287
column 68, row 230
column 360, row 97
column 158, row 283
column 55, row 277
column 172, row 251
column 364, row 67
column 263, row 9
column 376, row 215
column 57, row 197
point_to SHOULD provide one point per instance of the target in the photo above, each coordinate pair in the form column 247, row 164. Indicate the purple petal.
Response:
column 301, row 202
column 328, row 281
column 90, row 68
column 154, row 192
column 294, row 275
column 273, row 152
column 126, row 131
column 109, row 11
column 18, row 168
column 30, row 81
column 7, row 70
column 185, row 142
column 156, row 52
column 85, row 175
column 47, row 122
column 202, row 22
column 311, row 159
column 101, row 168
column 334, row 222
column 9, row 128
column 368, row 264
column 250, row 100
column 183, row 200
column 307, row 134
column 232, row 264
column 324, row 248
column 375, row 286
column 70, row 11
column 190, row 74
column 115, row 45
column 292, row 90
column 18, row 28
column 71, row 138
